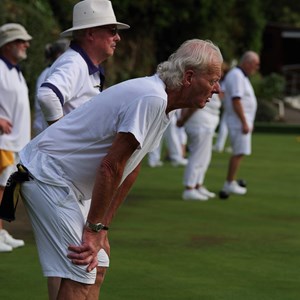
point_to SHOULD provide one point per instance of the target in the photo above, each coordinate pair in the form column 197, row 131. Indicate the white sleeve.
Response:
column 141, row 115
column 50, row 104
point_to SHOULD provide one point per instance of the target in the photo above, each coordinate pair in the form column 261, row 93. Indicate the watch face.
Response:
column 96, row 227
column 99, row 227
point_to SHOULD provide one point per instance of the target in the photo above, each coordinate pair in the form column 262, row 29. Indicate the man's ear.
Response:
column 187, row 78
column 90, row 33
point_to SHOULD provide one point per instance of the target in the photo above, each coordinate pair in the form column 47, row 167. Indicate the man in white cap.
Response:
column 52, row 52
column 14, row 111
column 77, row 75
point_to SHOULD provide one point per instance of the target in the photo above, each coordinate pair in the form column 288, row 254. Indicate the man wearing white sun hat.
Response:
column 14, row 111
column 76, row 76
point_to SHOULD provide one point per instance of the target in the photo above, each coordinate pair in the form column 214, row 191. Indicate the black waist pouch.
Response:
column 11, row 193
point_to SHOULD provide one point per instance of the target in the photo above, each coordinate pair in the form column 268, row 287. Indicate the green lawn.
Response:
column 243, row 248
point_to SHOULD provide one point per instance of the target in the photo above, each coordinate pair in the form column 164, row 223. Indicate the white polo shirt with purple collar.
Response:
column 238, row 85
column 14, row 106
column 72, row 80
column 70, row 151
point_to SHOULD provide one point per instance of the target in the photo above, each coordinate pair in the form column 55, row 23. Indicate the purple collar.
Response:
column 92, row 68
column 242, row 71
column 9, row 64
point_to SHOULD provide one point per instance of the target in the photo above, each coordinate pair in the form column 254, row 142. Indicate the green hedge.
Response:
column 263, row 127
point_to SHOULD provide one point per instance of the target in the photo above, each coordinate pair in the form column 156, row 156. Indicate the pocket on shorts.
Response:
column 64, row 195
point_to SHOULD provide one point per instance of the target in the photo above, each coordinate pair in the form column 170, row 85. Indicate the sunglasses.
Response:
column 19, row 41
column 113, row 31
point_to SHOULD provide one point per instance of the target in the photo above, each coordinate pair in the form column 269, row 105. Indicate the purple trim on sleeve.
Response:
column 55, row 90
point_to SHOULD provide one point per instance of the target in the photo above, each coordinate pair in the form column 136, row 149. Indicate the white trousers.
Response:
column 171, row 136
column 222, row 133
column 200, row 149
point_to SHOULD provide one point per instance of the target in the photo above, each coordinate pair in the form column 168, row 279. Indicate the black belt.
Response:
column 11, row 193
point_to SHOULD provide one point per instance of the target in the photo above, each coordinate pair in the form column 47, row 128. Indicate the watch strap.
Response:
column 96, row 227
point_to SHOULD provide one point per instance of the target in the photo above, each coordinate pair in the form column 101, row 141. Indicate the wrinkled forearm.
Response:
column 108, row 192
column 106, row 185
column 121, row 194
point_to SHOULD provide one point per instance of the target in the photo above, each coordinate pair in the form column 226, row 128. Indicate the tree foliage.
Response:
column 158, row 27
column 37, row 17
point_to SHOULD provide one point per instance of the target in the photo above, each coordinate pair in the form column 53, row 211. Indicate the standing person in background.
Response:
column 222, row 134
column 52, row 52
column 14, row 111
column 223, row 130
column 174, row 148
column 182, row 135
column 76, row 76
column 200, row 126
column 96, row 151
column 240, row 106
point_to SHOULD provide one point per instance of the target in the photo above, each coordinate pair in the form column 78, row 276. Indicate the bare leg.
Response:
column 94, row 290
column 233, row 167
column 53, row 287
column 70, row 290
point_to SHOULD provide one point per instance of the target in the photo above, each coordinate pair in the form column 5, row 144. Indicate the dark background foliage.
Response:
column 158, row 27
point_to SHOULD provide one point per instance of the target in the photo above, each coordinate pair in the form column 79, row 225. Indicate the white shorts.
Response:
column 240, row 143
column 58, row 222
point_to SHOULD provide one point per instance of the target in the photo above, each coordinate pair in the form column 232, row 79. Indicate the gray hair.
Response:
column 249, row 56
column 195, row 54
column 52, row 51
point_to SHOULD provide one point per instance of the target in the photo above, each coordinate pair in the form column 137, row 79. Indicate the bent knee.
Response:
column 101, row 271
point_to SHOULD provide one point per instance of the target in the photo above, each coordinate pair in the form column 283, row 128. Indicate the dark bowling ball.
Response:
column 223, row 195
column 242, row 182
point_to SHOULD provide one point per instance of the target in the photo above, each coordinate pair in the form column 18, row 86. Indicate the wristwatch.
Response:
column 96, row 227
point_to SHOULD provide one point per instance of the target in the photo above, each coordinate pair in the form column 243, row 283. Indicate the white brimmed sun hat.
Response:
column 12, row 31
column 93, row 13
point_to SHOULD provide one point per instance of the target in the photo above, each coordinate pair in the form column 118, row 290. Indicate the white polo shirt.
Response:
column 14, row 107
column 206, row 118
column 39, row 122
column 237, row 84
column 70, row 151
column 72, row 79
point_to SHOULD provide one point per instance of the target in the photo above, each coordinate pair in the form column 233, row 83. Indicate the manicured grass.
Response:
column 243, row 248
column 21, row 275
